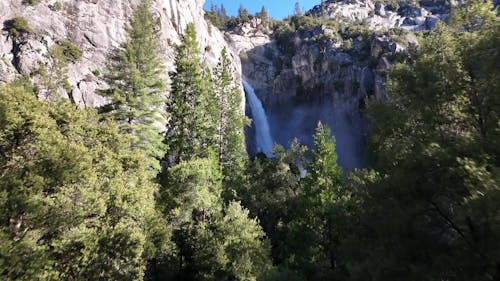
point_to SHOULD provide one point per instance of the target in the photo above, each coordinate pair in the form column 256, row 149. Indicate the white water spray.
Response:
column 263, row 137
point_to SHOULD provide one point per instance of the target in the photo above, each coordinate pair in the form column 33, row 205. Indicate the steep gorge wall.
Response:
column 320, row 80
column 97, row 27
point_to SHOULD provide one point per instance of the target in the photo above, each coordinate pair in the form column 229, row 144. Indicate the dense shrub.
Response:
column 17, row 26
column 70, row 50
column 284, row 34
column 57, row 6
column 31, row 2
column 399, row 35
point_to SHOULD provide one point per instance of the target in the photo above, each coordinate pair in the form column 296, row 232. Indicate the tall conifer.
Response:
column 136, row 85
column 264, row 15
column 191, row 128
column 231, row 122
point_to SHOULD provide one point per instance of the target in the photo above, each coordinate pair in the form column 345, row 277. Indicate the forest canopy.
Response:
column 108, row 194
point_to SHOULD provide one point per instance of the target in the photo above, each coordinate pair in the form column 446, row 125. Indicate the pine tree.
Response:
column 314, row 231
column 297, row 11
column 224, row 18
column 214, row 15
column 324, row 175
column 243, row 14
column 264, row 16
column 192, row 124
column 231, row 122
column 213, row 8
column 136, row 86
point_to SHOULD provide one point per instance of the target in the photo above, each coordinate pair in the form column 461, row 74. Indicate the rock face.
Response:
column 321, row 80
column 96, row 27
column 380, row 17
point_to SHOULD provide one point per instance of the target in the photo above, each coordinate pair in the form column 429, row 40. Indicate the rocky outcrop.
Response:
column 96, row 27
column 378, row 16
column 317, row 68
column 322, row 79
column 251, row 41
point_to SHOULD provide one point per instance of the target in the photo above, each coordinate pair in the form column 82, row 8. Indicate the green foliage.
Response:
column 69, row 50
column 360, row 38
column 53, row 78
column 347, row 45
column 244, row 56
column 5, row 61
column 398, row 35
column 476, row 15
column 75, row 202
column 213, row 243
column 270, row 194
column 264, row 16
column 231, row 246
column 207, row 157
column 436, row 171
column 315, row 229
column 192, row 105
column 218, row 16
column 31, row 2
column 190, row 186
column 57, row 6
column 136, row 86
column 231, row 144
column 213, row 18
column 299, row 30
column 243, row 15
column 284, row 34
column 17, row 27
column 76, row 190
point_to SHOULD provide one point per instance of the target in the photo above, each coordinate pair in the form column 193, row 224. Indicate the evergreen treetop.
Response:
column 231, row 122
column 192, row 124
column 137, row 87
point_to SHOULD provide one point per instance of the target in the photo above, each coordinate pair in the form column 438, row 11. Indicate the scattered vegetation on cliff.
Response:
column 31, row 2
column 17, row 26
column 70, row 50
column 219, row 18
column 57, row 6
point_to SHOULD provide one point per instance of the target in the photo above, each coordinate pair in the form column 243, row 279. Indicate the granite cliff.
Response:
column 96, row 27
column 309, row 69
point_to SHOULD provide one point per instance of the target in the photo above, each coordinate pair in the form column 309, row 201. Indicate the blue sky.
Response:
column 278, row 9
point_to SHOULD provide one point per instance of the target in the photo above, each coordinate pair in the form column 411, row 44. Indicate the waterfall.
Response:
column 263, row 137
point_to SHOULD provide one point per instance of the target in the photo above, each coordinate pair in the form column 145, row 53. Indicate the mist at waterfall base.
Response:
column 292, row 119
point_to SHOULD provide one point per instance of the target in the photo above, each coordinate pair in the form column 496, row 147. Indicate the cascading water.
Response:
column 263, row 136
